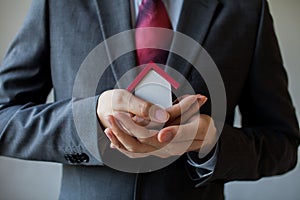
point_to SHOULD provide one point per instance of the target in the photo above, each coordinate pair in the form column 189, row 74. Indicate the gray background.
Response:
column 25, row 180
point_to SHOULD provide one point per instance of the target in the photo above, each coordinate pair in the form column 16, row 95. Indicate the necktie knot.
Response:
column 149, row 5
column 152, row 13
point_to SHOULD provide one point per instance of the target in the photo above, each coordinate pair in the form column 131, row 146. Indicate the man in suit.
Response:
column 56, row 38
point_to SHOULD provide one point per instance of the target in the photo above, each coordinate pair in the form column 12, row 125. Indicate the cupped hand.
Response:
column 130, row 138
column 181, row 111
column 194, row 132
column 119, row 100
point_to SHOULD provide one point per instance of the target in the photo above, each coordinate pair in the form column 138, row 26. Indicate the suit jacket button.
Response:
column 77, row 158
column 70, row 158
column 83, row 158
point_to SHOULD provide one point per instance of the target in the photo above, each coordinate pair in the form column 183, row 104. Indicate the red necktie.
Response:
column 152, row 13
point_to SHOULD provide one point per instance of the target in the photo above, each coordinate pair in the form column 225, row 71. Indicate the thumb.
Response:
column 167, row 134
column 147, row 110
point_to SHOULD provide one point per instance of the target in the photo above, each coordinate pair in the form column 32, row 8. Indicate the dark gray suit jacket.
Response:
column 57, row 36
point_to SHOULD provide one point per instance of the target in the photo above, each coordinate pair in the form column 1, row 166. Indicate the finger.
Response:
column 201, row 147
column 129, row 154
column 195, row 146
column 176, row 149
column 181, row 133
column 160, row 154
column 156, row 150
column 127, row 141
column 194, row 109
column 211, row 137
column 202, row 140
column 152, row 141
column 173, row 134
column 180, row 98
column 177, row 109
column 140, row 120
column 172, row 150
column 133, row 128
column 185, row 104
column 112, row 138
column 163, row 153
column 125, row 101
column 147, row 123
column 201, row 100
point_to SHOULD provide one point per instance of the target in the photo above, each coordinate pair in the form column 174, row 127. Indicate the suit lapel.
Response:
column 195, row 20
column 115, row 17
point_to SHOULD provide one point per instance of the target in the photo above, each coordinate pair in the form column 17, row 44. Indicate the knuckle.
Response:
column 144, row 109
column 118, row 99
column 119, row 95
column 142, row 140
column 122, row 92
column 131, row 149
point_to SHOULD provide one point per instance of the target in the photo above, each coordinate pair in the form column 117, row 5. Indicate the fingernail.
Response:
column 202, row 98
column 138, row 119
column 199, row 96
column 161, row 115
column 167, row 137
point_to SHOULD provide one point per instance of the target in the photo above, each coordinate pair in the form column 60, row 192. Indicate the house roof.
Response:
column 146, row 70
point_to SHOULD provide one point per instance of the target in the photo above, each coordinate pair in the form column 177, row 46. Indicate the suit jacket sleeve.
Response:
column 29, row 128
column 267, row 143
